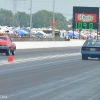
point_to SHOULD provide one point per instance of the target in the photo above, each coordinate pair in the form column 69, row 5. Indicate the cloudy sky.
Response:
column 61, row 6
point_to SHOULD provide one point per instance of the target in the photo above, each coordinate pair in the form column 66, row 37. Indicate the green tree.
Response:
column 61, row 20
column 41, row 19
column 70, row 21
column 22, row 19
column 6, row 17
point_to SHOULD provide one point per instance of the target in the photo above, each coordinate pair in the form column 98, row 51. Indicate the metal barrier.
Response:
column 36, row 39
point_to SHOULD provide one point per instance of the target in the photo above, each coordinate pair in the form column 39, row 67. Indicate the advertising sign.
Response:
column 85, row 17
column 79, row 17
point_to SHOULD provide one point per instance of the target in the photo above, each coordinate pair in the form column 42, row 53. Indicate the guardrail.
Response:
column 16, row 39
column 36, row 39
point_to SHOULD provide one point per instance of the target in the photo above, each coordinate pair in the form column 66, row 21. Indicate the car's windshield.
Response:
column 3, row 38
column 92, row 43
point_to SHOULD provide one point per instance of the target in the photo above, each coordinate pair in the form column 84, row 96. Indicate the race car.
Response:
column 91, row 48
column 7, row 46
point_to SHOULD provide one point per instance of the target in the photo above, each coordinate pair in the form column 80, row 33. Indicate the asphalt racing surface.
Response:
column 49, row 74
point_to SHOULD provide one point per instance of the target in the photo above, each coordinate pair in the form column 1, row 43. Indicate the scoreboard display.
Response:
column 85, row 17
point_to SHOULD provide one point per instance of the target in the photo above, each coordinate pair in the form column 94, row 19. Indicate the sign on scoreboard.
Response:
column 85, row 17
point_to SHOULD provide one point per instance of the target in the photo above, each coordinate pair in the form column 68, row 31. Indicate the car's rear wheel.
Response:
column 84, row 57
column 13, row 52
column 99, row 58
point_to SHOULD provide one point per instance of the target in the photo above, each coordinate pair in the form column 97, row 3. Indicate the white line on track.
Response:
column 20, row 68
column 14, row 69
column 22, row 60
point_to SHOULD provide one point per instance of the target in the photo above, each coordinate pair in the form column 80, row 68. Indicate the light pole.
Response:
column 30, row 16
column 53, row 25
column 53, row 10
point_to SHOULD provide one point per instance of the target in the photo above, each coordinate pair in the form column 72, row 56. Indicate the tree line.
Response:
column 39, row 19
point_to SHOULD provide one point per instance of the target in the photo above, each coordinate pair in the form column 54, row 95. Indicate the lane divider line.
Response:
column 38, row 58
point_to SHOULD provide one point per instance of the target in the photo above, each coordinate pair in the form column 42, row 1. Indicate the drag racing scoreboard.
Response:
column 85, row 17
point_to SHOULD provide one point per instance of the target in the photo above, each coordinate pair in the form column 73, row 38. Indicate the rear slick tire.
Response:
column 84, row 57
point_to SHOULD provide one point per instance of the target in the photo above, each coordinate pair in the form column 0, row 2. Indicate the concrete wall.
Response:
column 48, row 44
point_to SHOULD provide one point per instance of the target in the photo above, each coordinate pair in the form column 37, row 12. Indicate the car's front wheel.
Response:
column 8, row 52
column 84, row 57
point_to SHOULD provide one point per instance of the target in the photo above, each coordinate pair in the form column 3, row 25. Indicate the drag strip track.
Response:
column 49, row 74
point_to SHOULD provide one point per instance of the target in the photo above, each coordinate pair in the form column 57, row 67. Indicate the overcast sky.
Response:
column 61, row 6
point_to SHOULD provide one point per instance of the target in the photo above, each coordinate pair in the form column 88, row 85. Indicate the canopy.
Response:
column 21, row 32
column 40, row 32
column 72, row 34
column 10, row 32
column 25, row 29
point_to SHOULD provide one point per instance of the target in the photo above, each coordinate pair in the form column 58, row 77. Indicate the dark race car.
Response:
column 91, row 48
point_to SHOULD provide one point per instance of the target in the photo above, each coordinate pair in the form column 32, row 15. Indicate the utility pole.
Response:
column 53, row 25
column 30, row 16
column 53, row 22
column 15, row 10
column 14, row 6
